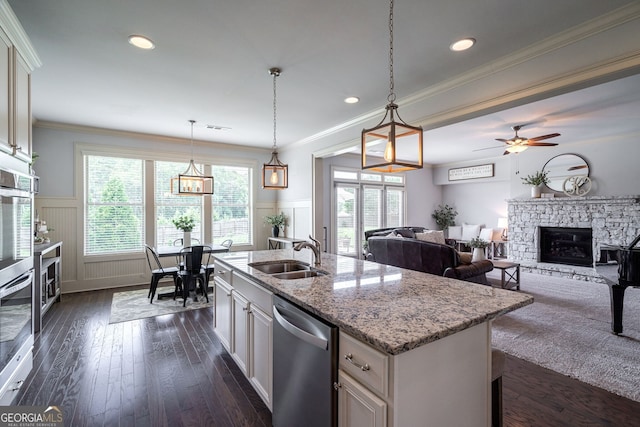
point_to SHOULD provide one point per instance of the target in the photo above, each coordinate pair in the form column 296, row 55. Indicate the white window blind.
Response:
column 232, row 204
column 114, row 205
column 168, row 206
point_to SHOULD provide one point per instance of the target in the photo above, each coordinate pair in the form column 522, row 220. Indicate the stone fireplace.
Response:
column 611, row 220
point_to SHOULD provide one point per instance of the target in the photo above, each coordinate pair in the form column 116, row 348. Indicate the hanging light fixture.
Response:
column 275, row 173
column 401, row 141
column 191, row 182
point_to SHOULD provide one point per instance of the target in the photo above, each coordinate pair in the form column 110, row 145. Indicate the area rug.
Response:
column 568, row 330
column 132, row 305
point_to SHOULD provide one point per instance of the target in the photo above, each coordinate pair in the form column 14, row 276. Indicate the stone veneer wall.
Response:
column 614, row 220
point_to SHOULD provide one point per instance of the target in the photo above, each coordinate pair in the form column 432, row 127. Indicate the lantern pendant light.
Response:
column 275, row 173
column 401, row 140
column 192, row 182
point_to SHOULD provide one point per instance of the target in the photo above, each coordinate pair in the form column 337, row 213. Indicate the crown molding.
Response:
column 67, row 127
column 10, row 24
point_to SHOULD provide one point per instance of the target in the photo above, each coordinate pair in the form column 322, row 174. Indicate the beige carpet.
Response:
column 568, row 330
column 131, row 305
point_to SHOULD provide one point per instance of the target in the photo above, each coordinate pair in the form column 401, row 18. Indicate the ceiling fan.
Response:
column 518, row 143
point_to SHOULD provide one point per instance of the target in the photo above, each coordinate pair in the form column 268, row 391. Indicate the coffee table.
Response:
column 509, row 278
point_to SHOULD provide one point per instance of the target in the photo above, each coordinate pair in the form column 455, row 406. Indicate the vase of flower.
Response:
column 479, row 245
column 186, row 239
column 536, row 181
column 276, row 222
column 185, row 223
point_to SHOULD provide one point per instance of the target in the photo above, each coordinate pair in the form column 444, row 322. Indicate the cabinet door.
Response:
column 222, row 319
column 357, row 406
column 6, row 91
column 240, row 332
column 22, row 112
column 260, row 338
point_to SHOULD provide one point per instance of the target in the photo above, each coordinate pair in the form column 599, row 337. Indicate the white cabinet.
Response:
column 222, row 319
column 357, row 406
column 15, row 85
column 260, row 351
column 243, row 323
column 240, row 343
column 6, row 92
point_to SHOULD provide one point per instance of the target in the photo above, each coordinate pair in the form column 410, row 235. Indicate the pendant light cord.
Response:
column 192, row 122
column 392, row 96
column 275, row 74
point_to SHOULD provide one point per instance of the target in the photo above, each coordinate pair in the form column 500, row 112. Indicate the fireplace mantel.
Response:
column 615, row 220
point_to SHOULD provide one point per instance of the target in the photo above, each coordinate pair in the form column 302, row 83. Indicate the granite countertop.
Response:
column 393, row 309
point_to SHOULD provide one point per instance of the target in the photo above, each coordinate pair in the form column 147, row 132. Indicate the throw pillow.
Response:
column 465, row 257
column 394, row 235
column 470, row 231
column 433, row 236
column 405, row 232
column 455, row 232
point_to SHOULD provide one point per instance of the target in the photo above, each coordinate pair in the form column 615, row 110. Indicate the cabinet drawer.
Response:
column 222, row 272
column 253, row 292
column 10, row 391
column 364, row 363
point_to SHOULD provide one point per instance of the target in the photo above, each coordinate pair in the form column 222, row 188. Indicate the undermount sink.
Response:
column 273, row 267
column 299, row 274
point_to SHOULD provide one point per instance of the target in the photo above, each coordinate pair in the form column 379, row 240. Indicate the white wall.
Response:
column 60, row 203
column 613, row 164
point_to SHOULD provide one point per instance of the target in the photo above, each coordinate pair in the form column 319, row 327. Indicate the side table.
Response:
column 509, row 279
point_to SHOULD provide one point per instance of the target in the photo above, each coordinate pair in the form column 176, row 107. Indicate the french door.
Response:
column 361, row 207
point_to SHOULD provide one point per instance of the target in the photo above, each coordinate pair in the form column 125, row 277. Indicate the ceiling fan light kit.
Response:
column 399, row 138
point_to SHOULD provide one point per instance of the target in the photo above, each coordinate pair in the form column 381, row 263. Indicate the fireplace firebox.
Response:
column 571, row 246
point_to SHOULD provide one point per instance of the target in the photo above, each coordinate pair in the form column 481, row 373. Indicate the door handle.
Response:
column 299, row 333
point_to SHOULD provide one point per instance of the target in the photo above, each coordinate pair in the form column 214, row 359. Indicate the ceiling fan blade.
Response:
column 501, row 139
column 573, row 168
column 506, row 153
column 541, row 144
column 488, row 148
column 540, row 138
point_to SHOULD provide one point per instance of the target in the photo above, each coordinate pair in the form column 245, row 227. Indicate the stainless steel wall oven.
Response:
column 16, row 269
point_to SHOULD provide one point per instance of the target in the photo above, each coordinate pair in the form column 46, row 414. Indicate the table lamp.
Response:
column 502, row 223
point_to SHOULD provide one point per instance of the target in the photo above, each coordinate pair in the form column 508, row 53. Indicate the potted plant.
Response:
column 478, row 246
column 186, row 224
column 537, row 180
column 276, row 221
column 444, row 216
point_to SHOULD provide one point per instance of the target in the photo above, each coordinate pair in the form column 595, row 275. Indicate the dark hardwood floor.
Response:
column 172, row 371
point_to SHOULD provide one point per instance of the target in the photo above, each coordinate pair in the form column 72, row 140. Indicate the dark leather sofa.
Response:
column 433, row 258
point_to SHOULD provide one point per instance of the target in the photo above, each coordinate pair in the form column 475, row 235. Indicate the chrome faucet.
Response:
column 315, row 247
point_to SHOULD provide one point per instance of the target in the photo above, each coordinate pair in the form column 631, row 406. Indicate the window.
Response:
column 114, row 208
column 232, row 204
column 364, row 201
column 168, row 206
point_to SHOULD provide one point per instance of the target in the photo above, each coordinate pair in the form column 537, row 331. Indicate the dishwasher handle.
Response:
column 300, row 333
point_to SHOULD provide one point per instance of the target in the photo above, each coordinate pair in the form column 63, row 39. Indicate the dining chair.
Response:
column 158, row 272
column 209, row 268
column 192, row 270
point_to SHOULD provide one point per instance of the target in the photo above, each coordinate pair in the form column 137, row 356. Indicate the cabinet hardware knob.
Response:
column 337, row 386
column 349, row 358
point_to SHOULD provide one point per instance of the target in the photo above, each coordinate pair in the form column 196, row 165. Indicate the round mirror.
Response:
column 561, row 167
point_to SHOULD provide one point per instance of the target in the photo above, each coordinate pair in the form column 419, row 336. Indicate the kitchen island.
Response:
column 432, row 335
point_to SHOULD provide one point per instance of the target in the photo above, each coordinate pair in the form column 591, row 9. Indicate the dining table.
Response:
column 175, row 251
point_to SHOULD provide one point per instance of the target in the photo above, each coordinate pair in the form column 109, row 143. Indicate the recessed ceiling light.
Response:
column 463, row 44
column 141, row 41
column 351, row 99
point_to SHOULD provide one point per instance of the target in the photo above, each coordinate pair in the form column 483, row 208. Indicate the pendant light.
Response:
column 192, row 182
column 275, row 173
column 399, row 138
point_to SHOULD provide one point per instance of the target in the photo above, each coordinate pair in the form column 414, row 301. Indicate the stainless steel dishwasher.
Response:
column 305, row 367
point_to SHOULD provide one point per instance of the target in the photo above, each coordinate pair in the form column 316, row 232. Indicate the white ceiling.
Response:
column 211, row 64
